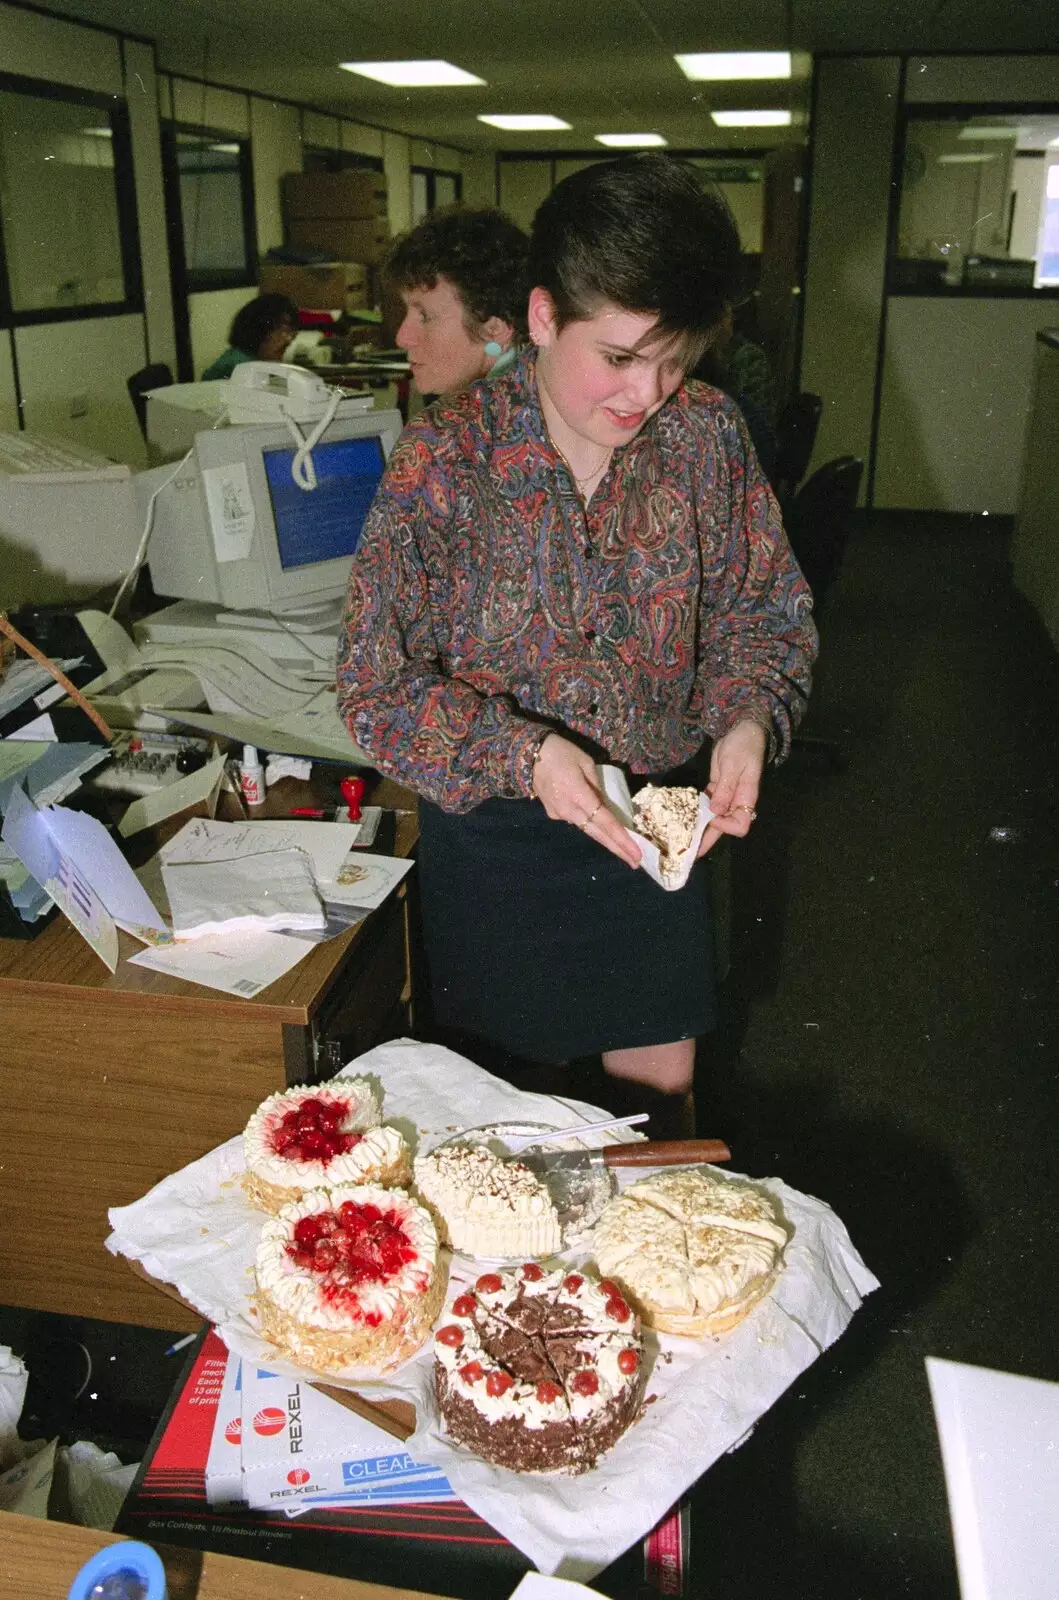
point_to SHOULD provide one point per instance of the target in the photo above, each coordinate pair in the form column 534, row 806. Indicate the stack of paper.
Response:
column 272, row 890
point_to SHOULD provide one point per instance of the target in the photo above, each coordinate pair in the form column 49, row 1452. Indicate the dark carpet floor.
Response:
column 890, row 1044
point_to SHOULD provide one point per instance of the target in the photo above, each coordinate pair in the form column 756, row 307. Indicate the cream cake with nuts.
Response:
column 539, row 1371
column 668, row 817
column 692, row 1250
column 305, row 1139
column 486, row 1204
column 349, row 1278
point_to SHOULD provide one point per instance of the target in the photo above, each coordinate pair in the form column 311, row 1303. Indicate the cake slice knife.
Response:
column 638, row 1153
column 581, row 1181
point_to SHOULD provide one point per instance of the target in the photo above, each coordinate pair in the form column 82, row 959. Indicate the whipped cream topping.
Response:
column 324, row 1300
column 357, row 1104
column 706, row 1199
column 603, row 1339
column 688, row 1243
column 490, row 1206
column 668, row 817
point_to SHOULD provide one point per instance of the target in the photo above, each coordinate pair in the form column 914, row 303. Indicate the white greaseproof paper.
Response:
column 619, row 802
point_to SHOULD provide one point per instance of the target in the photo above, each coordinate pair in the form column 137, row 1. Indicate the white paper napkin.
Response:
column 619, row 802
column 267, row 892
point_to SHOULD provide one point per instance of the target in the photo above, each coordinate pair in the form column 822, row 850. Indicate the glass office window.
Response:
column 216, row 208
column 973, row 212
column 59, row 203
column 742, row 183
column 432, row 188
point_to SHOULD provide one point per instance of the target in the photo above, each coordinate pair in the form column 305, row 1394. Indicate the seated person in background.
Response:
column 461, row 277
column 739, row 366
column 260, row 331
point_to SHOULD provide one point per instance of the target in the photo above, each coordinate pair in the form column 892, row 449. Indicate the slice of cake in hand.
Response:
column 486, row 1204
column 305, row 1139
column 668, row 817
column 539, row 1371
column 693, row 1251
column 349, row 1280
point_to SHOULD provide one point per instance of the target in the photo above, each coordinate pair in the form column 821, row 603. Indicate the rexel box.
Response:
column 299, row 1445
column 224, row 1464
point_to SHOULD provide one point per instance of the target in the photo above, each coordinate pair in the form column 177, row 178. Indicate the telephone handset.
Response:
column 271, row 391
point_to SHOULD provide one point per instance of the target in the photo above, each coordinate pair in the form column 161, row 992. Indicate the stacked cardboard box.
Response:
column 331, row 286
column 343, row 213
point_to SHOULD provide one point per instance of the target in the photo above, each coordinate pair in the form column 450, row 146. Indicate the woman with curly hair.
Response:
column 460, row 274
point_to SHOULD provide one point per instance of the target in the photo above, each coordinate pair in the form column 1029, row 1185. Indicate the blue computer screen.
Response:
column 324, row 523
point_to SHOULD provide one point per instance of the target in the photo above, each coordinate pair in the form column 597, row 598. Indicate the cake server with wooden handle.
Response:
column 637, row 1153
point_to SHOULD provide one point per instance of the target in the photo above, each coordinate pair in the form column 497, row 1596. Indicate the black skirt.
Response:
column 544, row 944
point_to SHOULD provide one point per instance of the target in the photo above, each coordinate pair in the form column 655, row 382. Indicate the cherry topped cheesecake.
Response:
column 539, row 1371
column 305, row 1139
column 349, row 1279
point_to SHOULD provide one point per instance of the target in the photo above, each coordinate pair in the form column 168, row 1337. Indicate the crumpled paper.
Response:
column 196, row 1231
column 13, row 1381
column 90, row 1483
column 95, row 1484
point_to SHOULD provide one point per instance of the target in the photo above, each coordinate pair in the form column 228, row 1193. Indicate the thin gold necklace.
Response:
column 604, row 459
column 596, row 470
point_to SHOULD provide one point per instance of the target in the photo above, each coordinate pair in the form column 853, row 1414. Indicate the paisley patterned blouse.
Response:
column 487, row 607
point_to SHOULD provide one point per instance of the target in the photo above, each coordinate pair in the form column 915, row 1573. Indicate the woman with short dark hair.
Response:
column 260, row 331
column 580, row 562
column 460, row 274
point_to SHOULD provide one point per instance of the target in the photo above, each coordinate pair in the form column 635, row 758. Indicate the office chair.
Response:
column 155, row 376
column 795, row 438
column 818, row 522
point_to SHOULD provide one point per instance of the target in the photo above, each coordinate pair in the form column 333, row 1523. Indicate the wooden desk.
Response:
column 109, row 1082
column 41, row 1560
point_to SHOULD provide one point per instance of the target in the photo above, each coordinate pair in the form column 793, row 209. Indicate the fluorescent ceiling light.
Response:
column 413, row 74
column 225, row 149
column 631, row 141
column 715, row 66
column 530, row 123
column 99, row 133
column 966, row 158
column 752, row 119
column 988, row 133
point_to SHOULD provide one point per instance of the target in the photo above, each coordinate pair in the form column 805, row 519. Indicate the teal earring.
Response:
column 492, row 349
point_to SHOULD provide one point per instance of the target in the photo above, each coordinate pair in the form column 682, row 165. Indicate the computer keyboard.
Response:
column 27, row 453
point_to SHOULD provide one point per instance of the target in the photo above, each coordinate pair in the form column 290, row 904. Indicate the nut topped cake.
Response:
column 305, row 1139
column 693, row 1251
column 486, row 1204
column 349, row 1278
column 668, row 817
column 539, row 1371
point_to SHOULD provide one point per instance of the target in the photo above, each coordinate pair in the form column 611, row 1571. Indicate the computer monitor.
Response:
column 234, row 529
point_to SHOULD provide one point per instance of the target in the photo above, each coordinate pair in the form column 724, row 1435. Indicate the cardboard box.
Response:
column 331, row 286
column 343, row 238
column 360, row 193
column 224, row 1463
column 299, row 1446
column 443, row 1547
